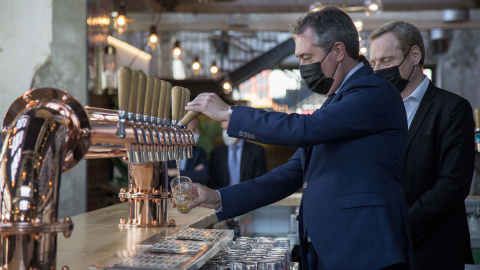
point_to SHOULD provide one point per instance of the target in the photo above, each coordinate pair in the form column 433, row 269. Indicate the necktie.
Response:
column 233, row 165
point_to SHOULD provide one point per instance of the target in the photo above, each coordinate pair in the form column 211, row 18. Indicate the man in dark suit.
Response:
column 440, row 150
column 353, row 213
column 195, row 168
column 235, row 161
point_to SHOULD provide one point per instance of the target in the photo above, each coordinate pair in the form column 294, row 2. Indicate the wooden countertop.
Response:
column 96, row 234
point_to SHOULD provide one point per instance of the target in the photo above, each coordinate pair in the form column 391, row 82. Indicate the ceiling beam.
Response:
column 287, row 6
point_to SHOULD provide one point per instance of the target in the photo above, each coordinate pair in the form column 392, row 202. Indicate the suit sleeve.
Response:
column 264, row 190
column 260, row 162
column 361, row 111
column 456, row 161
column 201, row 176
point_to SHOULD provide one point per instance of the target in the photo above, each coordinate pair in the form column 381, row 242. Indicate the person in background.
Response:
column 235, row 161
column 353, row 212
column 196, row 168
column 439, row 161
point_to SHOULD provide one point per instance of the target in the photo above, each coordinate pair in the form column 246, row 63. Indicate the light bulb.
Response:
column 373, row 7
column 121, row 20
column 363, row 50
column 177, row 51
column 358, row 25
column 214, row 69
column 227, row 86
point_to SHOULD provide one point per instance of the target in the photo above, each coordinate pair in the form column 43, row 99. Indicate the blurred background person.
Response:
column 196, row 168
column 235, row 161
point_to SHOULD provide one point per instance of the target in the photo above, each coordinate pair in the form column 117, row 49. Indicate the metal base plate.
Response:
column 185, row 249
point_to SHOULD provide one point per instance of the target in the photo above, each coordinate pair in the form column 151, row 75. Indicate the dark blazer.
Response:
column 437, row 175
column 349, row 165
column 199, row 157
column 252, row 164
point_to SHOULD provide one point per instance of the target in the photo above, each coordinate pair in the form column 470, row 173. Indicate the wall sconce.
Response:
column 121, row 22
column 153, row 38
column 214, row 69
column 196, row 66
column 177, row 51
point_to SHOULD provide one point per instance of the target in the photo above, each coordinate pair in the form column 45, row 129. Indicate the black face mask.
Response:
column 314, row 77
column 393, row 75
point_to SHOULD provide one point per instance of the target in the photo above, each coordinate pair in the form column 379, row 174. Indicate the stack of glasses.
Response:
column 264, row 253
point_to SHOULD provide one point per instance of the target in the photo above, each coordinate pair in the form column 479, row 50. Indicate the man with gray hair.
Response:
column 353, row 213
column 439, row 161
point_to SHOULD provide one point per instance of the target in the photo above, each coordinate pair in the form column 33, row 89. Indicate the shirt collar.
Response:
column 350, row 73
column 420, row 91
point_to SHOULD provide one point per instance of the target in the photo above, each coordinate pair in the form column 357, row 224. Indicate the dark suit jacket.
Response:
column 437, row 176
column 349, row 164
column 252, row 164
column 199, row 157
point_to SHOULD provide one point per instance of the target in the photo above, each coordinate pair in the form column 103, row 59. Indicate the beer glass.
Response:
column 182, row 193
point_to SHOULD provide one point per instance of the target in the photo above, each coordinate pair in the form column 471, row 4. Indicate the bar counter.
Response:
column 96, row 234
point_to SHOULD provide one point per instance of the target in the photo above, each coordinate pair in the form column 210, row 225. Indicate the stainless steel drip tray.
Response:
column 185, row 249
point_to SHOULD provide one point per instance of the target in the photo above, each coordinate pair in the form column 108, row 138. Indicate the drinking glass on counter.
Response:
column 182, row 193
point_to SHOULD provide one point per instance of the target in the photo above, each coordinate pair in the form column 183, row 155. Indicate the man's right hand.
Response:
column 211, row 105
column 204, row 197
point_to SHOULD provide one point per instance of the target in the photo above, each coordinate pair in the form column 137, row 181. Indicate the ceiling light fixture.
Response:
column 153, row 38
column 177, row 51
column 196, row 66
column 121, row 22
column 214, row 69
column 370, row 7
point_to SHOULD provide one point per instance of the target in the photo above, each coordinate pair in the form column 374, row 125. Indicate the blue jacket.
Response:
column 349, row 165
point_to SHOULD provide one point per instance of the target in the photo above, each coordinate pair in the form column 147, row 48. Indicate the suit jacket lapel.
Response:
column 422, row 111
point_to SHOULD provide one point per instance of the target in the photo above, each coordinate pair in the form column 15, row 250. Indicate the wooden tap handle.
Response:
column 157, row 85
column 142, row 84
column 148, row 96
column 182, row 103
column 176, row 102
column 187, row 99
column 124, row 78
column 162, row 100
column 188, row 117
column 132, row 100
column 168, row 101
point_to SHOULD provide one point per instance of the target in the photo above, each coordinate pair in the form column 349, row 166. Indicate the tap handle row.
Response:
column 142, row 89
column 124, row 81
column 132, row 99
column 177, row 94
column 157, row 86
column 148, row 95
column 168, row 104
column 163, row 99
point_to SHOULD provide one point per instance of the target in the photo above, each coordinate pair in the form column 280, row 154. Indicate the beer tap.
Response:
column 176, row 109
column 167, row 123
column 124, row 81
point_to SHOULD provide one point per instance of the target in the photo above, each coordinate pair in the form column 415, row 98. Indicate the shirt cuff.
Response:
column 219, row 210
